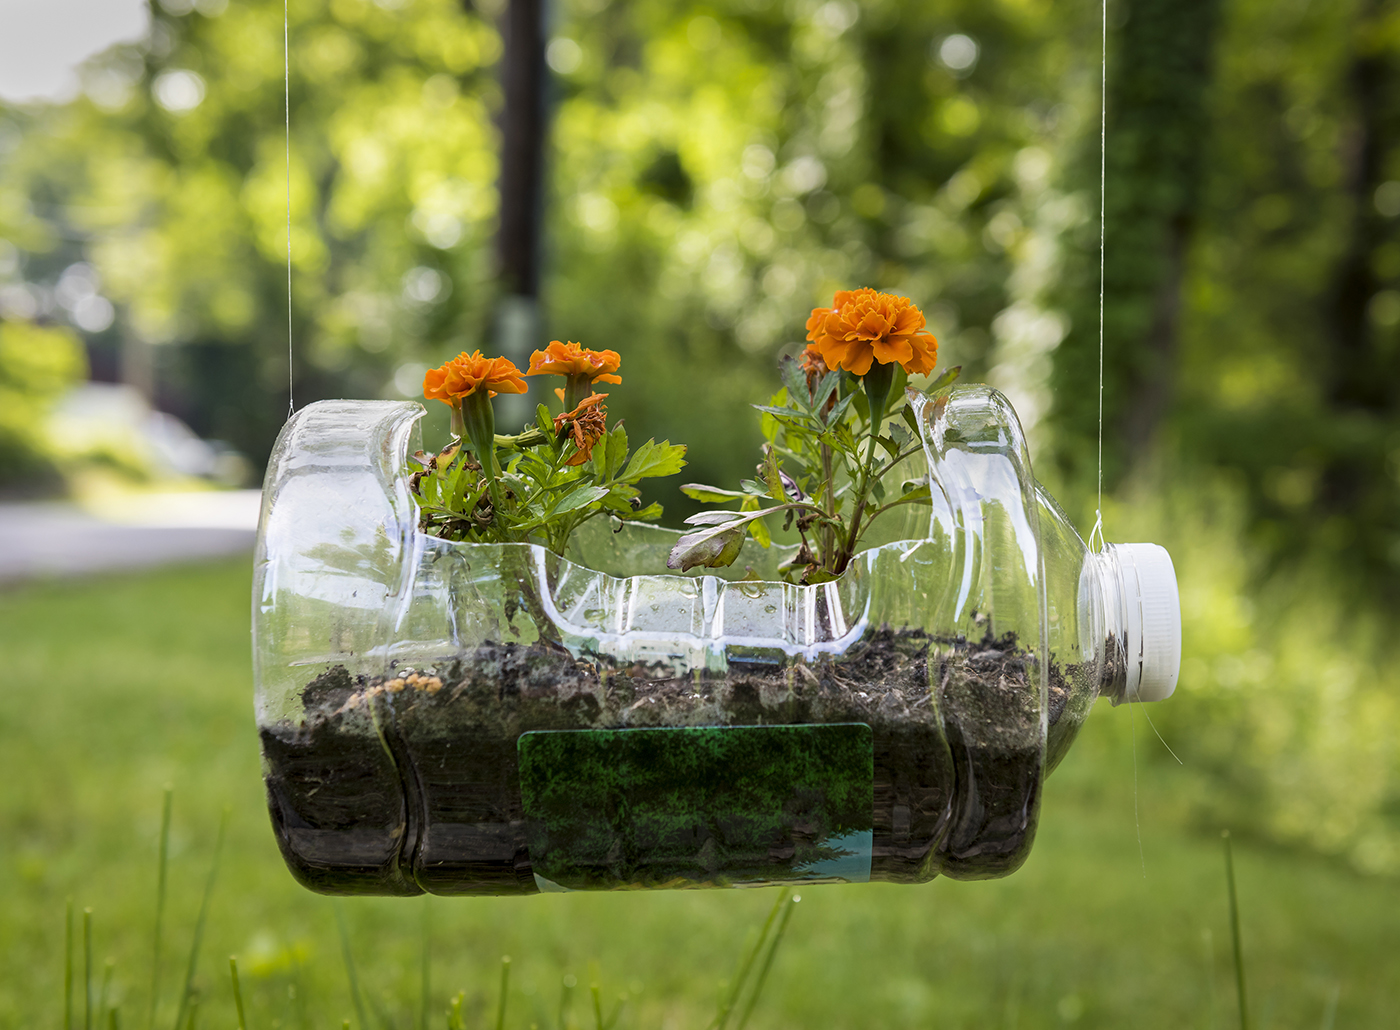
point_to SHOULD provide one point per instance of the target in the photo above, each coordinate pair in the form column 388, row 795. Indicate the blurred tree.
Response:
column 1291, row 358
column 171, row 170
column 1157, row 124
column 37, row 364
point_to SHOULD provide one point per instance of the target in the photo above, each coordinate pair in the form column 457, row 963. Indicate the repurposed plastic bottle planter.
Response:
column 496, row 719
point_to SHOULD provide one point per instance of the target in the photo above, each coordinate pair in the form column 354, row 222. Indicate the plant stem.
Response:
column 529, row 438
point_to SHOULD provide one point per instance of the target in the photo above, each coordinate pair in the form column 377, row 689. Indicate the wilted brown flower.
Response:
column 585, row 424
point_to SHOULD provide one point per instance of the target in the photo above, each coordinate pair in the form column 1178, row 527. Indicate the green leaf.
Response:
column 620, row 497
column 835, row 414
column 773, row 476
column 713, row 518
column 916, row 490
column 889, row 445
column 910, row 419
column 617, row 451
column 790, row 412
column 901, row 436
column 650, row 512
column 655, row 459
column 600, row 456
column 543, row 421
column 758, row 529
column 579, row 497
column 712, row 548
column 710, row 494
column 828, row 384
column 946, row 379
column 794, row 381
column 516, row 485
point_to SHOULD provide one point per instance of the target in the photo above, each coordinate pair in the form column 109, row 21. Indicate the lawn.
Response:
column 122, row 685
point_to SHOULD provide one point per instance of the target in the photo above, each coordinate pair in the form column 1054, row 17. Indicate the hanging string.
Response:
column 287, row 116
column 1096, row 540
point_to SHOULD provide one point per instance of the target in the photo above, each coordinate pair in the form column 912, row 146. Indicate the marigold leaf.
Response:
column 543, row 421
column 599, row 457
column 794, row 380
column 710, row 494
column 834, row 415
column 788, row 416
column 713, row 518
column 655, row 459
column 946, row 379
column 650, row 512
column 774, row 478
column 758, row 529
column 712, row 548
column 901, row 436
column 617, row 450
column 825, row 388
column 579, row 497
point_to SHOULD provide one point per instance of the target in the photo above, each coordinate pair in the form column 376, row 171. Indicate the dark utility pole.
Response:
column 523, row 133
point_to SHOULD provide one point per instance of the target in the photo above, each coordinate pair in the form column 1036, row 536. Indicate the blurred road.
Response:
column 56, row 539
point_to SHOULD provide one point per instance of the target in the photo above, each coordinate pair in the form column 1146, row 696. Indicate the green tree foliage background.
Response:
column 717, row 168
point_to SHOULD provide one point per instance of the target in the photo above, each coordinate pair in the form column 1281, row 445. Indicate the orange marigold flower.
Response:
column 586, row 423
column 865, row 327
column 467, row 373
column 569, row 359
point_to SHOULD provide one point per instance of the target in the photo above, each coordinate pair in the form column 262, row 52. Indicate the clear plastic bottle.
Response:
column 498, row 719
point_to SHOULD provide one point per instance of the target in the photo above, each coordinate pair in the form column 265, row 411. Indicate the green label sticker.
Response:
column 713, row 806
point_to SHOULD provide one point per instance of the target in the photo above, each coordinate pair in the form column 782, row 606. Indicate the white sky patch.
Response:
column 43, row 41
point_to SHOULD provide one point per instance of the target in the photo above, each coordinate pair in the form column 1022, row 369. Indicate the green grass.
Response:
column 119, row 686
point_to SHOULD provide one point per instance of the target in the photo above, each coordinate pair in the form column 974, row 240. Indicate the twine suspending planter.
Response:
column 492, row 719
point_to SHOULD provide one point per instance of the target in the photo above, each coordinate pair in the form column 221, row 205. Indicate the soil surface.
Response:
column 411, row 783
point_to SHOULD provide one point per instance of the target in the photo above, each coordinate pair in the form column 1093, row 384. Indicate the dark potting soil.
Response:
column 412, row 783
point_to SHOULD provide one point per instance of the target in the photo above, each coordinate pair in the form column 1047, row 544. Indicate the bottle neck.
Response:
column 1139, row 622
column 1109, row 630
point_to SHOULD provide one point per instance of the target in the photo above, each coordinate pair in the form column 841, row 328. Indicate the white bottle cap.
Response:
column 1152, row 610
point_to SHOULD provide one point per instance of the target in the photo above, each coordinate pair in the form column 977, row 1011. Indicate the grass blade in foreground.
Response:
column 768, row 961
column 727, row 1006
column 350, row 969
column 1235, row 932
column 87, row 968
column 237, row 994
column 188, row 990
column 505, row 982
column 161, row 868
column 68, row 968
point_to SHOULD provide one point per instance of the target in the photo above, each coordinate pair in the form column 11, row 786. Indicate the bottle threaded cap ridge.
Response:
column 1152, row 613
